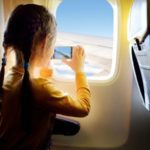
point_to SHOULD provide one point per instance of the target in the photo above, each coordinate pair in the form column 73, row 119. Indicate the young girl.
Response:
column 29, row 102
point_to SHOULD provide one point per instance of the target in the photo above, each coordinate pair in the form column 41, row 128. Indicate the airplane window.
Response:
column 88, row 23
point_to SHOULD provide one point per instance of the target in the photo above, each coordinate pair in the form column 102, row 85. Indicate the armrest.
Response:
column 65, row 126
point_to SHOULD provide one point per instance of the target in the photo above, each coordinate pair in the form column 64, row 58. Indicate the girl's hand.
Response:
column 77, row 61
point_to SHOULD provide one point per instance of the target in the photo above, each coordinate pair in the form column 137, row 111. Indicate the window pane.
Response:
column 88, row 23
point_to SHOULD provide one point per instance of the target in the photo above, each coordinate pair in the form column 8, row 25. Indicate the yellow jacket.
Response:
column 48, row 100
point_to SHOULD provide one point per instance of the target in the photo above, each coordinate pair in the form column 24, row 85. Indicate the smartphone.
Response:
column 61, row 52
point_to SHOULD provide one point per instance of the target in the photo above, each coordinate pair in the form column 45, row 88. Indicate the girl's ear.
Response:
column 46, row 42
column 43, row 42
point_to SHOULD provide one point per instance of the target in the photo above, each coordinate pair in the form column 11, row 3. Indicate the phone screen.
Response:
column 62, row 52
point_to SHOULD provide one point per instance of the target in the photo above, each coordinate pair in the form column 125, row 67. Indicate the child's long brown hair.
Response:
column 27, row 26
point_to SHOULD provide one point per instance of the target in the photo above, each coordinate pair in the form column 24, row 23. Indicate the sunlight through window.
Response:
column 89, row 24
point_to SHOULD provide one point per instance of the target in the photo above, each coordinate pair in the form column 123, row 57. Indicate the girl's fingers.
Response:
column 81, row 51
column 74, row 51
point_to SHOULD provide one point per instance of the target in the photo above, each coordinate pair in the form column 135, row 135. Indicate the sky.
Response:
column 86, row 17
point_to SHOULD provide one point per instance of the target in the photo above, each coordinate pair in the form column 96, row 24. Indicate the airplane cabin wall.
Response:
column 1, row 28
column 108, row 123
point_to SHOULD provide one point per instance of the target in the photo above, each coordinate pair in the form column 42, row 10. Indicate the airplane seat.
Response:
column 139, row 37
column 65, row 126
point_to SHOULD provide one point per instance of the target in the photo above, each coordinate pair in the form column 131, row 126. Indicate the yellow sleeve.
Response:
column 59, row 102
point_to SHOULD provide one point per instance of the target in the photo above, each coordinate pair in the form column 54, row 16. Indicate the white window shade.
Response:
column 138, row 20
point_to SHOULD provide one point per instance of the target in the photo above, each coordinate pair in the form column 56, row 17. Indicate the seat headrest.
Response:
column 139, row 20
